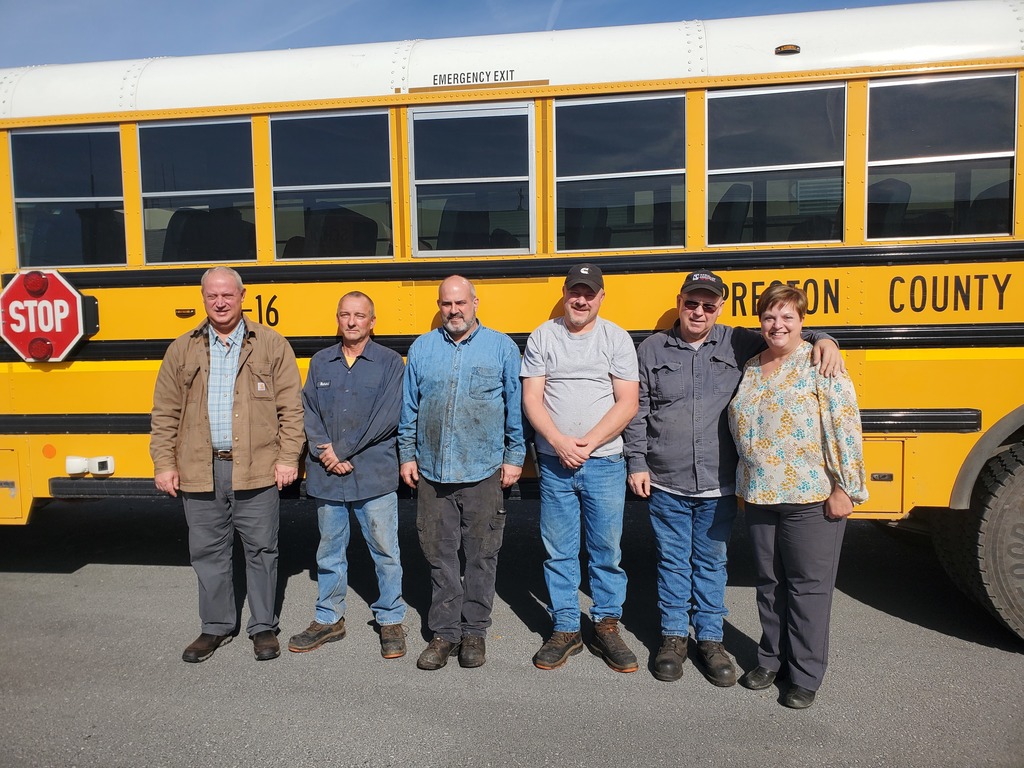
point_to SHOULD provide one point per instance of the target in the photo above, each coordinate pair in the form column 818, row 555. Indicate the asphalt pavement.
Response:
column 97, row 601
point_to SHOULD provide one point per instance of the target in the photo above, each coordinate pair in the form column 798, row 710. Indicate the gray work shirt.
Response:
column 681, row 435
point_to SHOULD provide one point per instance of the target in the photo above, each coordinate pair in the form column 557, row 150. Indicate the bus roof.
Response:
column 897, row 35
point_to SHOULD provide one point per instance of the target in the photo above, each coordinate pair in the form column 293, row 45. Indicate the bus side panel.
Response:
column 15, row 498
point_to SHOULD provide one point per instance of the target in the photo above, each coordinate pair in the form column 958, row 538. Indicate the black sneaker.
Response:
column 472, row 651
column 315, row 635
column 436, row 654
column 609, row 645
column 716, row 664
column 668, row 664
column 557, row 650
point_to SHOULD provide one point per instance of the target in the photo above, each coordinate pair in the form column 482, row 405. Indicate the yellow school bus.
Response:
column 868, row 156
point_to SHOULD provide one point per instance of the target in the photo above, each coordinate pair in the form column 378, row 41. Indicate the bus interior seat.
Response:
column 730, row 214
column 294, row 247
column 991, row 212
column 102, row 235
column 338, row 232
column 587, row 228
column 463, row 230
column 219, row 234
column 887, row 205
column 502, row 238
column 813, row 228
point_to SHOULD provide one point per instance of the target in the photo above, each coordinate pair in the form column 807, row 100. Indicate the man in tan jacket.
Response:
column 227, row 433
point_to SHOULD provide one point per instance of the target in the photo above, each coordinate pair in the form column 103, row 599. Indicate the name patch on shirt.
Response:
column 324, row 383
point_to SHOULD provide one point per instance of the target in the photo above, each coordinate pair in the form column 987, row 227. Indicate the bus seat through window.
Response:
column 462, row 230
column 339, row 232
column 730, row 214
column 56, row 241
column 991, row 212
column 887, row 204
column 587, row 228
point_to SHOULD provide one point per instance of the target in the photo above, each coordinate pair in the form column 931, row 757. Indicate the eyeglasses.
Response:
column 708, row 307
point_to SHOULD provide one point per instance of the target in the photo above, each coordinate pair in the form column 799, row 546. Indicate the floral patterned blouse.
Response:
column 796, row 431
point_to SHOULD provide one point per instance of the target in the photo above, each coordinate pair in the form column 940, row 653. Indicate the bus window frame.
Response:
column 568, row 102
column 388, row 186
column 16, row 200
column 243, row 119
column 510, row 108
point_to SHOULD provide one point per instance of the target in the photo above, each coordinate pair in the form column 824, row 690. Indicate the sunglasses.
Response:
column 708, row 307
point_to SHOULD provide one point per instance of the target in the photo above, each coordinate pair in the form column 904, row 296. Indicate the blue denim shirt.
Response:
column 355, row 410
column 462, row 412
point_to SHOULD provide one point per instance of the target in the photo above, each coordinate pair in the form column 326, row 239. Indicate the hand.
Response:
column 409, row 471
column 509, row 474
column 343, row 468
column 330, row 461
column 572, row 453
column 838, row 505
column 168, row 482
column 640, row 484
column 285, row 475
column 826, row 357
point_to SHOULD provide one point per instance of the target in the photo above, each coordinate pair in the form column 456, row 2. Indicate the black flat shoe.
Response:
column 758, row 679
column 798, row 698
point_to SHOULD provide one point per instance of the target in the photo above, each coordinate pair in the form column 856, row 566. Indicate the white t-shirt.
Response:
column 578, row 370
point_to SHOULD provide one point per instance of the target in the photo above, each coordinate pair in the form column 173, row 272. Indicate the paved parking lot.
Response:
column 97, row 601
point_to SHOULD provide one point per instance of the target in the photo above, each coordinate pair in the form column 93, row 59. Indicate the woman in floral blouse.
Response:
column 800, row 473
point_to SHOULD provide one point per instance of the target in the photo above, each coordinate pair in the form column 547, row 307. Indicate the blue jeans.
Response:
column 378, row 517
column 692, row 536
column 598, row 489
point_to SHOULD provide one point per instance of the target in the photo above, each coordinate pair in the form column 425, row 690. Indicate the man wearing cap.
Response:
column 579, row 392
column 682, row 457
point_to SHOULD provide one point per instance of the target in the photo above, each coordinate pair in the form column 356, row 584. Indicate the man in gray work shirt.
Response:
column 681, row 456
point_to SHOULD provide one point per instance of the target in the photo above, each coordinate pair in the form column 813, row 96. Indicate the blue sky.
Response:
column 65, row 31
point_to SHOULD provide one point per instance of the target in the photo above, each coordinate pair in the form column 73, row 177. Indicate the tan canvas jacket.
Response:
column 267, row 426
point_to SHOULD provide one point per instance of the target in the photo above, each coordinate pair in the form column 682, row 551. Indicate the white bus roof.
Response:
column 865, row 37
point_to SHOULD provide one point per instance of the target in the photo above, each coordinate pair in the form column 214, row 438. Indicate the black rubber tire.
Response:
column 982, row 550
column 999, row 503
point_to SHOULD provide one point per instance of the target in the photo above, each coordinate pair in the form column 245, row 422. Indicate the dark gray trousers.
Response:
column 470, row 516
column 796, row 557
column 212, row 520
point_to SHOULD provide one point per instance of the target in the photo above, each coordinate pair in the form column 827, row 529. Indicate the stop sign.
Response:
column 41, row 316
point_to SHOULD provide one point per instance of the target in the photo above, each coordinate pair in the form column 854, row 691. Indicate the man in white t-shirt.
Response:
column 580, row 390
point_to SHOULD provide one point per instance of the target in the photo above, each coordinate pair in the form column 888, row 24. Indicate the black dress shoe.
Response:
column 203, row 647
column 265, row 645
column 758, row 679
column 798, row 698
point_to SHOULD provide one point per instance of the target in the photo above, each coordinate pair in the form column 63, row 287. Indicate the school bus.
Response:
column 868, row 156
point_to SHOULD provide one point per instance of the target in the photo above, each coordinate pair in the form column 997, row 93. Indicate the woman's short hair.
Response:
column 779, row 294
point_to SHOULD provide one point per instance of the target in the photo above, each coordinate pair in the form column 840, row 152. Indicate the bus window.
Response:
column 619, row 167
column 68, row 199
column 332, row 185
column 940, row 156
column 197, row 192
column 775, row 165
column 472, row 179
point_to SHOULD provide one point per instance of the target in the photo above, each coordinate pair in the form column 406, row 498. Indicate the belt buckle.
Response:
column 223, row 455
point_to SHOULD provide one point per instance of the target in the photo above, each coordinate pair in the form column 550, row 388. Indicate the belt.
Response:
column 222, row 455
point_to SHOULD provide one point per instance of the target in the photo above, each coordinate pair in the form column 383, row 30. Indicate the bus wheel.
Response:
column 999, row 503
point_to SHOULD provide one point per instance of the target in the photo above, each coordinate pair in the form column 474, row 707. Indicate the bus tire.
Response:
column 955, row 539
column 998, row 502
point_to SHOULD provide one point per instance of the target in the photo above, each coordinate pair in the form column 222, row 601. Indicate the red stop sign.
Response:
column 41, row 316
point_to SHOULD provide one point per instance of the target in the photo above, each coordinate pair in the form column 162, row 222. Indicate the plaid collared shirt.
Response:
column 221, row 396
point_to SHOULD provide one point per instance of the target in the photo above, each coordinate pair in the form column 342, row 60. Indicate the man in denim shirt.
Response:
column 681, row 456
column 460, row 442
column 352, row 399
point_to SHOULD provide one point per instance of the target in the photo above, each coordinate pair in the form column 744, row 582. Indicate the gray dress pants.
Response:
column 212, row 520
column 796, row 557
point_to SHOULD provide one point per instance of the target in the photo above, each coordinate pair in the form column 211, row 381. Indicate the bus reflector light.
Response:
column 76, row 465
column 40, row 348
column 36, row 283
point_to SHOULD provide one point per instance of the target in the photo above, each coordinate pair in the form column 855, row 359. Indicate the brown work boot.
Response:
column 392, row 641
column 315, row 635
column 611, row 647
column 472, row 651
column 557, row 650
column 668, row 664
column 203, row 647
column 715, row 663
column 436, row 654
